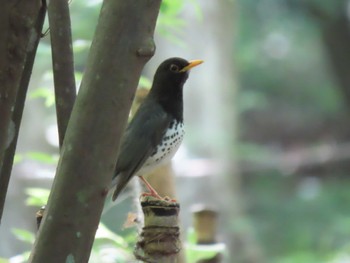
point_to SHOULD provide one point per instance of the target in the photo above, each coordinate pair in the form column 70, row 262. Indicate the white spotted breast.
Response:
column 167, row 148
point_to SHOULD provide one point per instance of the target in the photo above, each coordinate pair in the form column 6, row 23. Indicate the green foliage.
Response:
column 27, row 237
column 292, row 227
column 37, row 196
column 145, row 82
column 18, row 158
column 39, row 157
column 108, row 246
column 45, row 93
column 251, row 152
column 24, row 235
column 282, row 61
column 195, row 252
column 169, row 23
column 42, row 157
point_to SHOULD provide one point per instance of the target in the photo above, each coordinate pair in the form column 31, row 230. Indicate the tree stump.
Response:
column 159, row 240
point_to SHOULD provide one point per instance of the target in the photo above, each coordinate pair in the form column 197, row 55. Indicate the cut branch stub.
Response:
column 159, row 240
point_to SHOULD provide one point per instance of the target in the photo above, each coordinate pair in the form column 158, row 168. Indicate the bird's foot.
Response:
column 151, row 190
column 155, row 195
column 152, row 194
column 168, row 199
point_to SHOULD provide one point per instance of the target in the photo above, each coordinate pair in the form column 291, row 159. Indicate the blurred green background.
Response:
column 267, row 128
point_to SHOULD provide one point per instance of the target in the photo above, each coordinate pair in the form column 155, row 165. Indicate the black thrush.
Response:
column 156, row 131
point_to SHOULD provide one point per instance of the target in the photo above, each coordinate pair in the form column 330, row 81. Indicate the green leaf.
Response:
column 44, row 93
column 171, row 7
column 104, row 233
column 195, row 253
column 191, row 236
column 42, row 157
column 145, row 82
column 37, row 196
column 24, row 235
column 93, row 3
column 78, row 77
column 4, row 260
column 81, row 45
column 197, row 9
column 17, row 159
column 21, row 258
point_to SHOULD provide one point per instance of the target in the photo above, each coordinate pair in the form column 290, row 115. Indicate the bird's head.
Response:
column 168, row 84
column 174, row 72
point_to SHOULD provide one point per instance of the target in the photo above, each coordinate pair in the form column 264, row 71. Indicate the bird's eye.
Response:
column 174, row 68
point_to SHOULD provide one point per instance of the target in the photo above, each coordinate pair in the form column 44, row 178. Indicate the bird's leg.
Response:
column 151, row 190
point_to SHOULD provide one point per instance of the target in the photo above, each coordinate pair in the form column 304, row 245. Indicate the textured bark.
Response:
column 62, row 62
column 122, row 44
column 20, row 28
column 159, row 240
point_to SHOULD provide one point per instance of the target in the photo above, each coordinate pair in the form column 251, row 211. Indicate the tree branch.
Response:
column 62, row 62
column 20, row 30
column 122, row 44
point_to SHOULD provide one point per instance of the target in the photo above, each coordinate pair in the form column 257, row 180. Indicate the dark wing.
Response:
column 140, row 139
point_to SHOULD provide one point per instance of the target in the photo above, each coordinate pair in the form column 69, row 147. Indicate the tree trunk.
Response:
column 20, row 29
column 336, row 39
column 122, row 44
column 335, row 33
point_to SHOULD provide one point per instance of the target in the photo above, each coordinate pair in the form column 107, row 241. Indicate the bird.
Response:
column 156, row 131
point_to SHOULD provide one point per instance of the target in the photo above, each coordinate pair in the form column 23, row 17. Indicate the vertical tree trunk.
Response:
column 20, row 28
column 335, row 33
column 336, row 39
column 122, row 44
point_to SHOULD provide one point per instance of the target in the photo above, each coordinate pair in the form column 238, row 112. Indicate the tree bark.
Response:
column 62, row 63
column 122, row 44
column 20, row 29
column 159, row 240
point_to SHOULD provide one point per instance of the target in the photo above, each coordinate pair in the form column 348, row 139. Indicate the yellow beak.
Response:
column 192, row 64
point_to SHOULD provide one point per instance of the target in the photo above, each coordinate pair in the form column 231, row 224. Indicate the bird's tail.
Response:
column 121, row 181
column 116, row 192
